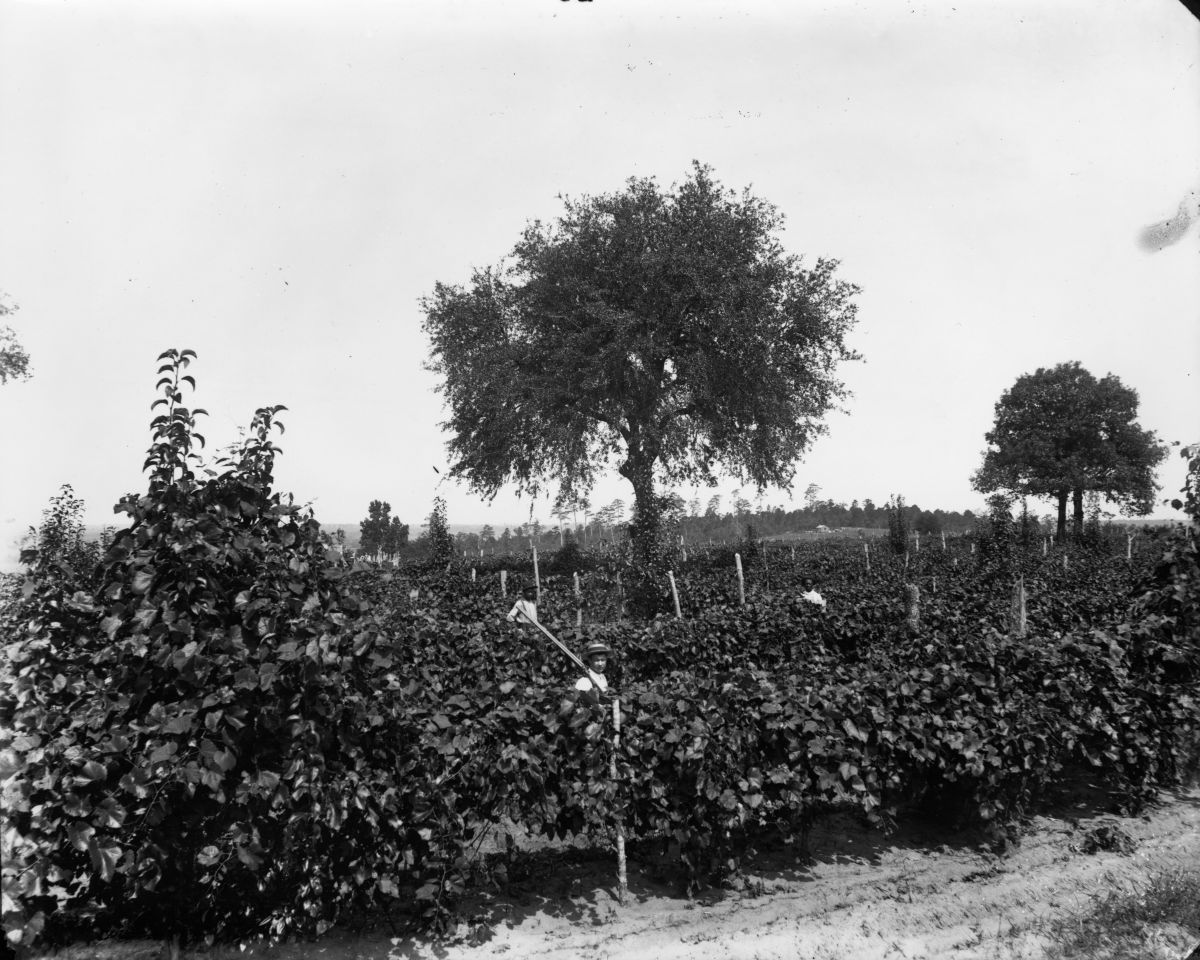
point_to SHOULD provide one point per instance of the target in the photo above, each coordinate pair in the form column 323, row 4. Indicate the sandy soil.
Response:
column 920, row 893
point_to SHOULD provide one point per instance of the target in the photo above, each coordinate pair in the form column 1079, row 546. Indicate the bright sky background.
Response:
column 276, row 184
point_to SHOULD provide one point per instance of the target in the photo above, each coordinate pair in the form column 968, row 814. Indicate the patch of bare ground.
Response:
column 919, row 893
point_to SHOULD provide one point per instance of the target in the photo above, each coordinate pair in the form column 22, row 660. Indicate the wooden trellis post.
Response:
column 578, row 602
column 912, row 595
column 737, row 558
column 917, row 537
column 674, row 594
column 1016, row 613
column 867, row 554
column 504, row 583
column 472, row 574
column 537, row 577
column 943, row 541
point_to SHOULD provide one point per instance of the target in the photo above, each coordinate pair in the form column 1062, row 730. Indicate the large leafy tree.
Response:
column 665, row 330
column 1060, row 432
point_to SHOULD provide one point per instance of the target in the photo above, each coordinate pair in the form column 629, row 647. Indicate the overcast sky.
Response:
column 275, row 185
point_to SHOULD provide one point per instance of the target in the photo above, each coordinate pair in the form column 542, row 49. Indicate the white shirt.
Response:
column 526, row 607
column 584, row 683
column 813, row 597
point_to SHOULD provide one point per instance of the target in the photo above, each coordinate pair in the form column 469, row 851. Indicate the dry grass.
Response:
column 1119, row 923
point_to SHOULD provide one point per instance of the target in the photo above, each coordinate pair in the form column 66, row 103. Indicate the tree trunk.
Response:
column 1077, row 518
column 1062, row 515
column 645, row 535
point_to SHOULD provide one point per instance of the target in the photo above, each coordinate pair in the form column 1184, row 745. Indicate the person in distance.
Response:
column 811, row 595
column 525, row 609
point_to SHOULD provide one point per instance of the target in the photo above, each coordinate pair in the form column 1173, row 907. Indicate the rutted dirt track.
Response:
column 861, row 896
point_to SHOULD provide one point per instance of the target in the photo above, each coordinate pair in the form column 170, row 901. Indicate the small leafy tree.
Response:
column 59, row 538
column 897, row 521
column 994, row 535
column 437, row 534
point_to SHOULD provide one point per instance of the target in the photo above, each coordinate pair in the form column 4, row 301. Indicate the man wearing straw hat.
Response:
column 596, row 657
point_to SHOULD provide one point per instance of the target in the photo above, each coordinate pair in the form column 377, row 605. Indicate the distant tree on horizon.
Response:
column 395, row 539
column 373, row 530
column 1060, row 433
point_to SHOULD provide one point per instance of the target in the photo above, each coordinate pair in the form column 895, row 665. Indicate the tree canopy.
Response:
column 665, row 330
column 1060, row 433
column 14, row 359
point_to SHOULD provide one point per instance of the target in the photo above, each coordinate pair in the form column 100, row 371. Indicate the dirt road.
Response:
column 921, row 893
column 917, row 894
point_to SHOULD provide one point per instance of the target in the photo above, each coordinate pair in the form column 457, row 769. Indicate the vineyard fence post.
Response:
column 674, row 594
column 913, row 596
column 537, row 577
column 737, row 558
column 622, row 875
column 1016, row 614
column 504, row 583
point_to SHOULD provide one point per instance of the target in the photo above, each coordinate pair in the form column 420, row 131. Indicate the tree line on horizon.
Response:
column 610, row 525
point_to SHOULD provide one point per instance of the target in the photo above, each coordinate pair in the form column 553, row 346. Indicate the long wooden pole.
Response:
column 561, row 646
column 537, row 577
column 737, row 558
column 504, row 583
column 674, row 594
column 578, row 602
